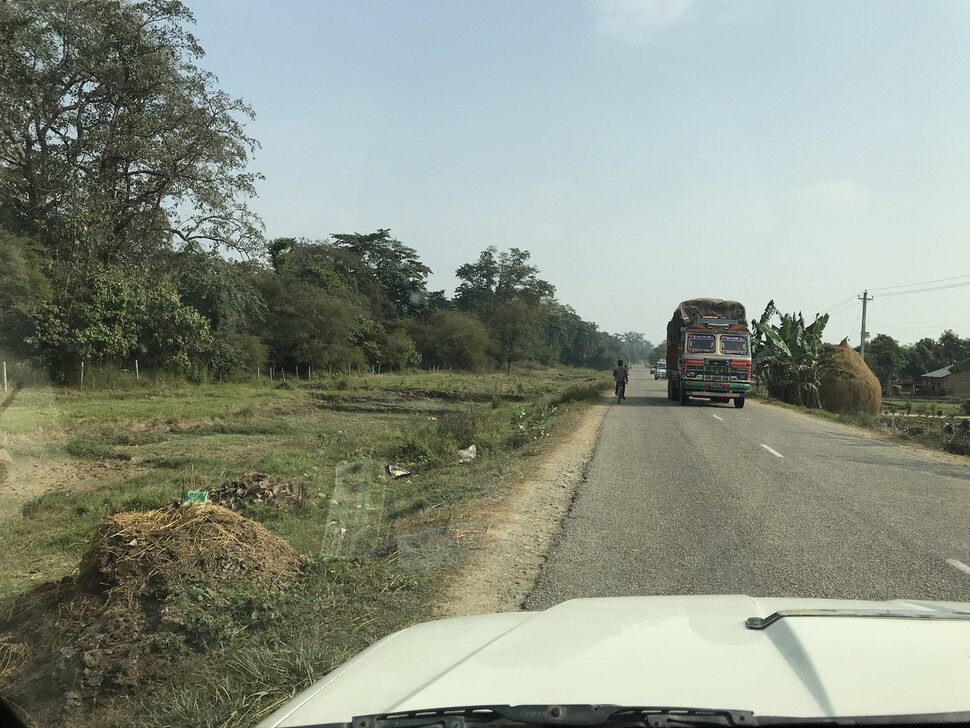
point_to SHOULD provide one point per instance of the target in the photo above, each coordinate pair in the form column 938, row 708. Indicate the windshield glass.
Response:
column 701, row 343
column 734, row 344
column 323, row 319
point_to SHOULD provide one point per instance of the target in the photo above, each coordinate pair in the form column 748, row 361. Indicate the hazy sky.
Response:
column 644, row 151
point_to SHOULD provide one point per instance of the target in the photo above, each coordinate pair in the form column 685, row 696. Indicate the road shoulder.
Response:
column 522, row 525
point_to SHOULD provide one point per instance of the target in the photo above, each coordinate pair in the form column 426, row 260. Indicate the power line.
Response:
column 828, row 309
column 925, row 290
column 924, row 283
column 855, row 302
column 932, row 326
column 847, row 303
column 855, row 326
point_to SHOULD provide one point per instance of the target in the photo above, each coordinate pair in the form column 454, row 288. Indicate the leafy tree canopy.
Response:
column 499, row 279
column 112, row 141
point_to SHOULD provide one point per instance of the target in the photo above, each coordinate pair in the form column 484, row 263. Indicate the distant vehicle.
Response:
column 660, row 370
column 709, row 351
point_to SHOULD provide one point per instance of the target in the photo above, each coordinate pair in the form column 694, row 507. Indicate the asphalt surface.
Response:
column 690, row 500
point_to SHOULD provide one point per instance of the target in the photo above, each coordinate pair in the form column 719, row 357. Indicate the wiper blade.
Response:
column 961, row 718
column 605, row 716
column 618, row 716
column 763, row 622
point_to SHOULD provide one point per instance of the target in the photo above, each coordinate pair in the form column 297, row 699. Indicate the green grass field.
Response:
column 69, row 458
column 929, row 408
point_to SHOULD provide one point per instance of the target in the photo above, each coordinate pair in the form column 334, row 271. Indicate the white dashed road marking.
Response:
column 773, row 452
column 959, row 565
column 718, row 418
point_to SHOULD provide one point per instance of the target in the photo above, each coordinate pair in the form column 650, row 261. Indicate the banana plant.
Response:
column 789, row 357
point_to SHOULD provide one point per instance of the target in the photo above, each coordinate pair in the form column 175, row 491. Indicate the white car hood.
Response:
column 691, row 651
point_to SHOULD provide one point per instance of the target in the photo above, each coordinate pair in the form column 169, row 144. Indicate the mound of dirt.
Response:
column 118, row 622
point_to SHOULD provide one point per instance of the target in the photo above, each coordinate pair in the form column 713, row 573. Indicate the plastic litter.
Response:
column 467, row 455
column 196, row 496
column 396, row 471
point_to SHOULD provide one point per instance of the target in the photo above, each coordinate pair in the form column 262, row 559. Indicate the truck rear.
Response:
column 709, row 352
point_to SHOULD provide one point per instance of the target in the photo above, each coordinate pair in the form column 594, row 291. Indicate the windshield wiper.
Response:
column 516, row 716
column 762, row 622
column 616, row 716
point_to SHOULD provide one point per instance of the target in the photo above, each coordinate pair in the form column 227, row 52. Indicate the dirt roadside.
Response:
column 522, row 525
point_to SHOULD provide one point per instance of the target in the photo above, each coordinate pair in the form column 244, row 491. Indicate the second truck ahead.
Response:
column 708, row 352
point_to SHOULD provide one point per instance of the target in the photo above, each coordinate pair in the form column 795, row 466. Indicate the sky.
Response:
column 643, row 151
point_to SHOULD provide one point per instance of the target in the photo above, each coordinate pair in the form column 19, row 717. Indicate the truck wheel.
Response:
column 684, row 397
column 670, row 390
column 739, row 402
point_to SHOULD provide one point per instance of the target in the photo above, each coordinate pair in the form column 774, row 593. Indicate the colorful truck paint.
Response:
column 709, row 352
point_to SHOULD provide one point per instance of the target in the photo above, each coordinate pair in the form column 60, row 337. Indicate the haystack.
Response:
column 853, row 388
column 151, row 586
column 158, row 552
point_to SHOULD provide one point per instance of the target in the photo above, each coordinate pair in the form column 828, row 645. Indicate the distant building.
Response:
column 953, row 380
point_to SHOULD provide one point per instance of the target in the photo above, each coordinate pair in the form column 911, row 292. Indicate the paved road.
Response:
column 691, row 500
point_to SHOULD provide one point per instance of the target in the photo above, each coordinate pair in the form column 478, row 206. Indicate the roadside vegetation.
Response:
column 157, row 345
column 73, row 458
column 794, row 368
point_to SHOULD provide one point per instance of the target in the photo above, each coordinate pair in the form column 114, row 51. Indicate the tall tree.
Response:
column 114, row 148
column 396, row 267
column 886, row 358
column 112, row 141
column 922, row 357
column 453, row 339
column 225, row 293
column 952, row 348
column 23, row 287
column 499, row 279
column 504, row 290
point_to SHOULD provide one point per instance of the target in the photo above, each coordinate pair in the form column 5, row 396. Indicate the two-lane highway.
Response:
column 709, row 499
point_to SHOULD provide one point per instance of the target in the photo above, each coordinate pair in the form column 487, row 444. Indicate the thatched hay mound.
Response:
column 853, row 388
column 135, row 604
column 155, row 553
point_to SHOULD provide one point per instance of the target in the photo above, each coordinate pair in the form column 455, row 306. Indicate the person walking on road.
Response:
column 620, row 375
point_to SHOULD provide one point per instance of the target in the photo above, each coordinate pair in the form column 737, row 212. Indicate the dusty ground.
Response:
column 30, row 477
column 521, row 527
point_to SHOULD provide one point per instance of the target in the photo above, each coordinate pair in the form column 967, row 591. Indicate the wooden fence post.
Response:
column 82, row 376
column 136, row 369
column 5, row 376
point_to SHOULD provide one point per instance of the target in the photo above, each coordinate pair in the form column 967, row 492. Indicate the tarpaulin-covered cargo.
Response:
column 695, row 309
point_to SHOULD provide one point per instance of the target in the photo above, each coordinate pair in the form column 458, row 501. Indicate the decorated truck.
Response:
column 708, row 352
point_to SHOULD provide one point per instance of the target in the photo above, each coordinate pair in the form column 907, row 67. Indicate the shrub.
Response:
column 529, row 426
column 428, row 446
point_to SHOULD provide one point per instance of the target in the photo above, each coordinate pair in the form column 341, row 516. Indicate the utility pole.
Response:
column 865, row 298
